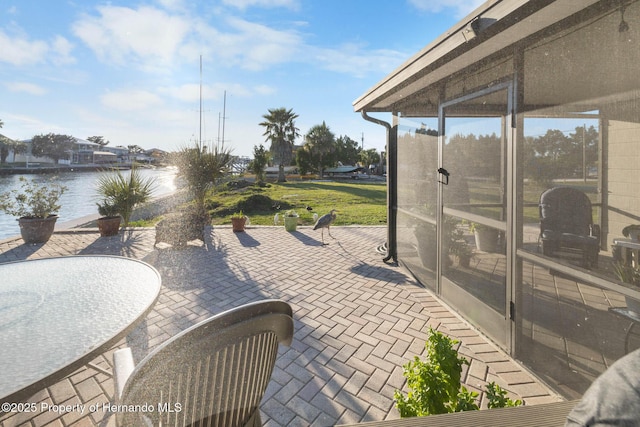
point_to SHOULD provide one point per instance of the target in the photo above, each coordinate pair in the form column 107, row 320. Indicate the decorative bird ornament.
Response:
column 325, row 221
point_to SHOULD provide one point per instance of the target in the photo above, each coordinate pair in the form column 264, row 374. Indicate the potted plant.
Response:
column 109, row 222
column 35, row 206
column 462, row 251
column 631, row 275
column 123, row 193
column 632, row 231
column 486, row 237
column 290, row 220
column 238, row 221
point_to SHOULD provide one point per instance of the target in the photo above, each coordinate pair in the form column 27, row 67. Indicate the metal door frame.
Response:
column 500, row 327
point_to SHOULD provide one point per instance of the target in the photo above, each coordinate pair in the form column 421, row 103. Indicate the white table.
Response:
column 57, row 314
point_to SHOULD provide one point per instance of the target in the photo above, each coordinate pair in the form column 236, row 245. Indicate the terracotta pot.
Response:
column 109, row 225
column 37, row 230
column 238, row 224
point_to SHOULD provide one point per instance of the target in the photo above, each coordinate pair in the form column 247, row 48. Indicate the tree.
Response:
column 304, row 160
column 136, row 149
column 321, row 143
column 347, row 150
column 281, row 131
column 52, row 145
column 259, row 163
column 98, row 140
column 369, row 157
column 585, row 141
column 7, row 144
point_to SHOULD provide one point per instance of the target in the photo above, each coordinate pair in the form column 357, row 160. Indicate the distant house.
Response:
column 157, row 155
column 515, row 99
column 122, row 153
column 83, row 152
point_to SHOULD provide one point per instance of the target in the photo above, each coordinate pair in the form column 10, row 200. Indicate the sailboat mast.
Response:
column 200, row 136
column 224, row 115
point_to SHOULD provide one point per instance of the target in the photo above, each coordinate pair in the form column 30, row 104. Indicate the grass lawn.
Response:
column 356, row 202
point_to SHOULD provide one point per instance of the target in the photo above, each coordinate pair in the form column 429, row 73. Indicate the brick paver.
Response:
column 357, row 320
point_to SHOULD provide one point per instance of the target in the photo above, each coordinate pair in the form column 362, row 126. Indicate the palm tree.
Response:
column 321, row 142
column 122, row 194
column 281, row 131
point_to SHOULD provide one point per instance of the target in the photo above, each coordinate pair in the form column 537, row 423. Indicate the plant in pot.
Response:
column 36, row 206
column 632, row 231
column 290, row 220
column 462, row 251
column 631, row 275
column 109, row 222
column 486, row 237
column 238, row 221
column 124, row 193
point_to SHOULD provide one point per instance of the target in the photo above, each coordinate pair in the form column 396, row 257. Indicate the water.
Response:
column 80, row 198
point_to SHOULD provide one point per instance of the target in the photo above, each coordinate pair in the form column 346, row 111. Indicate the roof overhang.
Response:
column 491, row 28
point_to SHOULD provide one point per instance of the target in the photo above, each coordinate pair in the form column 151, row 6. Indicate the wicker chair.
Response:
column 212, row 374
column 566, row 222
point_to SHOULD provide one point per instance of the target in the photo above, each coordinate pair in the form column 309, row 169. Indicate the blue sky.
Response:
column 129, row 70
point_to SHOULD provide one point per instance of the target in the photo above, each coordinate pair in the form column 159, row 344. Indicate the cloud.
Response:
column 460, row 7
column 23, row 87
column 131, row 100
column 19, row 51
column 264, row 46
column 356, row 60
column 122, row 34
column 62, row 48
column 125, row 36
column 244, row 4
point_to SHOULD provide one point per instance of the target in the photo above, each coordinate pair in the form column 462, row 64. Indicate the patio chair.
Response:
column 566, row 222
column 212, row 374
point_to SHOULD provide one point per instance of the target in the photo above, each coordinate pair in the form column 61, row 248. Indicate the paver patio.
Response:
column 357, row 320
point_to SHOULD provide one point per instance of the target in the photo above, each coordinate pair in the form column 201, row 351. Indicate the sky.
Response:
column 130, row 70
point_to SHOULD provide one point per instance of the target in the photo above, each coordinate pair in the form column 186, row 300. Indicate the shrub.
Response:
column 34, row 201
column 435, row 386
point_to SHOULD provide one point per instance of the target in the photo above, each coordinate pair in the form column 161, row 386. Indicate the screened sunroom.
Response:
column 514, row 178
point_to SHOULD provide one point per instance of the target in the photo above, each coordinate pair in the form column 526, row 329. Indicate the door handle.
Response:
column 443, row 171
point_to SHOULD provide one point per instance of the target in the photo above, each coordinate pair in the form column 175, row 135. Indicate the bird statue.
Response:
column 325, row 221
